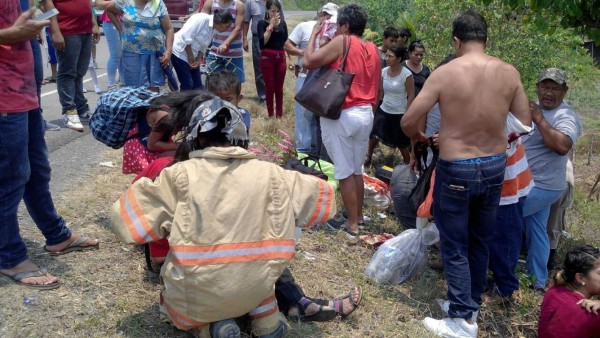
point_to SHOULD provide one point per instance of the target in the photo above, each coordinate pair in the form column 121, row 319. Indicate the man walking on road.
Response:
column 74, row 31
column 475, row 91
column 24, row 166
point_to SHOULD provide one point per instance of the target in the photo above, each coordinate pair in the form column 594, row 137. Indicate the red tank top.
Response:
column 364, row 61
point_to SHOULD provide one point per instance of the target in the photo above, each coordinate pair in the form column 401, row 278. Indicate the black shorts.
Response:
column 386, row 129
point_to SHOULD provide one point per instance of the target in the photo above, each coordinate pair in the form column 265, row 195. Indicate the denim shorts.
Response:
column 141, row 70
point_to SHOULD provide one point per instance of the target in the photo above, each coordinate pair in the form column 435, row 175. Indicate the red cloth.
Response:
column 18, row 92
column 161, row 247
column 363, row 60
column 562, row 317
column 75, row 16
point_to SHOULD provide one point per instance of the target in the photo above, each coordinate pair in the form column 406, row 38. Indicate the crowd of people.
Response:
column 503, row 169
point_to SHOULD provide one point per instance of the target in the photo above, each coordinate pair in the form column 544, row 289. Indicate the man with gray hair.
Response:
column 557, row 130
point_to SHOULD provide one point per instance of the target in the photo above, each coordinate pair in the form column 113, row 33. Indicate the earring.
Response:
column 583, row 284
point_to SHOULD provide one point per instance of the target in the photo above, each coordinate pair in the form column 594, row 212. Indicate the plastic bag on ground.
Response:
column 403, row 257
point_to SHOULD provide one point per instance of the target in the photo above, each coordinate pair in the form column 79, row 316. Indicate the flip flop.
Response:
column 75, row 246
column 17, row 278
column 349, row 232
column 338, row 303
column 49, row 80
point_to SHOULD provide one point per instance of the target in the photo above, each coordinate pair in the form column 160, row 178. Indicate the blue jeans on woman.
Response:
column 73, row 64
column 114, row 51
column 466, row 196
column 536, row 211
column 189, row 79
column 25, row 174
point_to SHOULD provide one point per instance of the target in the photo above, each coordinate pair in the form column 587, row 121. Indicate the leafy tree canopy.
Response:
column 581, row 15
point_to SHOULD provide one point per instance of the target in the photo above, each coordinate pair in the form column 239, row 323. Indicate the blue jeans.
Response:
column 306, row 124
column 465, row 199
column 536, row 211
column 73, row 64
column 141, row 70
column 38, row 67
column 114, row 51
column 259, row 82
column 506, row 247
column 216, row 64
column 25, row 174
column 189, row 79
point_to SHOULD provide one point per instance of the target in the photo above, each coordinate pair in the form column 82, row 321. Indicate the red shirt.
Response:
column 562, row 317
column 75, row 16
column 363, row 60
column 18, row 92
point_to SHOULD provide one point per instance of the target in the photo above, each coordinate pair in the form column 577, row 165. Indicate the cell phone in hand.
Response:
column 47, row 15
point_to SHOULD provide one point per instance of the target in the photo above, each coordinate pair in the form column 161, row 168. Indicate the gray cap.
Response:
column 203, row 120
column 554, row 74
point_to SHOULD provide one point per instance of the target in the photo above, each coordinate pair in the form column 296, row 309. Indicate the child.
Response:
column 151, row 137
column 201, row 203
column 227, row 86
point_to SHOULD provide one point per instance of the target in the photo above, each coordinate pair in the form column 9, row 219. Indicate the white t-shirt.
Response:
column 300, row 36
column 198, row 32
column 395, row 100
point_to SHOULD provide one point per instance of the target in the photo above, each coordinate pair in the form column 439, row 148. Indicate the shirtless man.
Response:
column 475, row 93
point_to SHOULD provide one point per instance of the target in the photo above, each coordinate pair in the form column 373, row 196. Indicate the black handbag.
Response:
column 419, row 192
column 302, row 165
column 325, row 89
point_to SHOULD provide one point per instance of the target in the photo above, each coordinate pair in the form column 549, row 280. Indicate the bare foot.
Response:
column 61, row 246
column 29, row 266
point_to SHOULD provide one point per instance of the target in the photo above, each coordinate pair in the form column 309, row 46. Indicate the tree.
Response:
column 580, row 15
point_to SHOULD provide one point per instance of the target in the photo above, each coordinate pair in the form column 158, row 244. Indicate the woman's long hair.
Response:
column 181, row 106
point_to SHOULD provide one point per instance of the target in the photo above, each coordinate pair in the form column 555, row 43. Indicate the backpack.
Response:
column 117, row 112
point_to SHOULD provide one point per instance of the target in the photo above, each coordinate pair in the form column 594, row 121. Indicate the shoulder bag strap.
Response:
column 345, row 52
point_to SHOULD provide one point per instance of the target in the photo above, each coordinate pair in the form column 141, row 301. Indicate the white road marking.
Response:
column 56, row 91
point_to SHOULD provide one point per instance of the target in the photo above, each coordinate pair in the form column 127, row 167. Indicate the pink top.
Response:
column 363, row 60
column 561, row 317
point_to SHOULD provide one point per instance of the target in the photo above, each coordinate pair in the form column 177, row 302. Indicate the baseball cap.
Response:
column 205, row 118
column 554, row 74
column 331, row 9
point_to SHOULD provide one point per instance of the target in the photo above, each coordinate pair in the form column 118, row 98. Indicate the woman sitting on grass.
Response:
column 567, row 310
column 226, row 250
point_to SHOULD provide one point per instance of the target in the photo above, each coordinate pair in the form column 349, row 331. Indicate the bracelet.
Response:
column 270, row 29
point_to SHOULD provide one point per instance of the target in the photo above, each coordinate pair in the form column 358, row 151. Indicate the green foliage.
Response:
column 511, row 37
column 581, row 15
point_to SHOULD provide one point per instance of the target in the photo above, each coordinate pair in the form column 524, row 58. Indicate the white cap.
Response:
column 331, row 9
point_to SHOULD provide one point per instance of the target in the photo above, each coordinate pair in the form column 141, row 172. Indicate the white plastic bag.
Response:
column 404, row 256
column 377, row 193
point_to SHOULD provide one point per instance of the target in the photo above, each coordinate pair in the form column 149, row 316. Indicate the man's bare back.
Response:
column 475, row 91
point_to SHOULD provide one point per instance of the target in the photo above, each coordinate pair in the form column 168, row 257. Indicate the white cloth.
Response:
column 395, row 101
column 300, row 36
column 198, row 32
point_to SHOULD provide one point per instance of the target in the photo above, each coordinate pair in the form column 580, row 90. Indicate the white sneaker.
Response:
column 72, row 120
column 445, row 307
column 451, row 327
column 97, row 89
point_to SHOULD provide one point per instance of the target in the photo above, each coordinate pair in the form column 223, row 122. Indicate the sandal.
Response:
column 323, row 315
column 49, row 79
column 17, row 278
column 338, row 303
